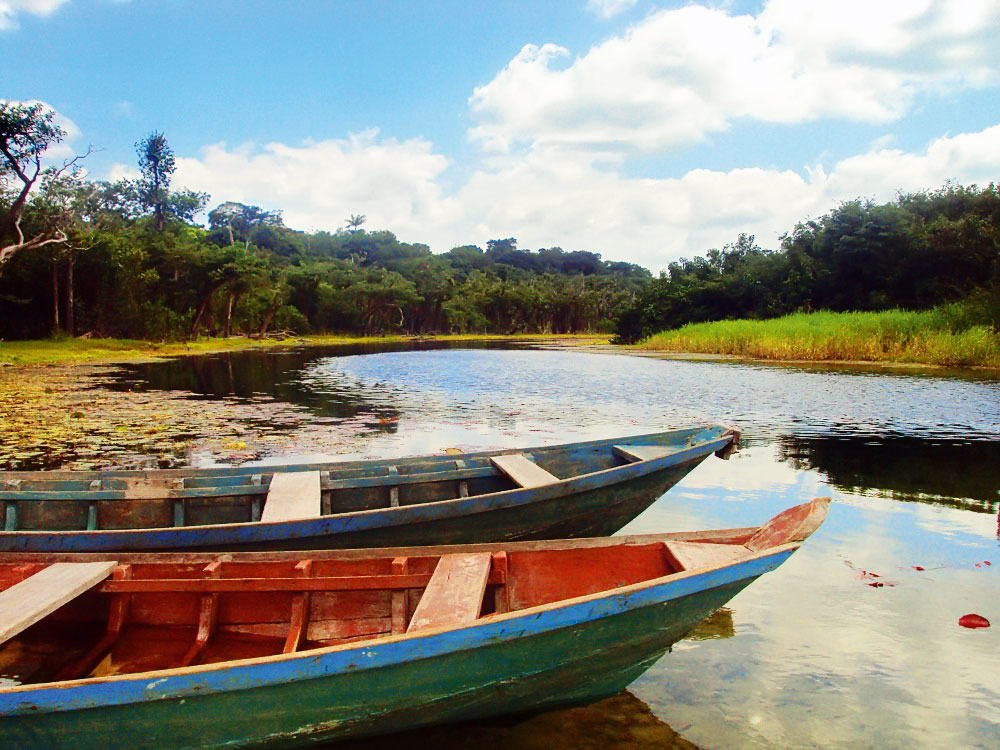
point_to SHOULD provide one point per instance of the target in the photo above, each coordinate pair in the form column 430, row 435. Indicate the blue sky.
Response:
column 643, row 131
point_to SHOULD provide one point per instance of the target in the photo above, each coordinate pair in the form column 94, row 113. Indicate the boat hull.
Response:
column 598, row 503
column 582, row 651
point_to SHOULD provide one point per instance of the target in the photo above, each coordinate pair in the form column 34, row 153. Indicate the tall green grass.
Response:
column 943, row 336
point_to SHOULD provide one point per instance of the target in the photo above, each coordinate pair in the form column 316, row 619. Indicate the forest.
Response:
column 917, row 252
column 130, row 259
column 127, row 259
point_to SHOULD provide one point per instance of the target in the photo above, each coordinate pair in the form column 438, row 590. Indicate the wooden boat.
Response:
column 279, row 649
column 578, row 489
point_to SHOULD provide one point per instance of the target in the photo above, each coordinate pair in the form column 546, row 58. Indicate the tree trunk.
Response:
column 55, row 296
column 203, row 308
column 227, row 329
column 70, row 301
column 201, row 312
column 269, row 313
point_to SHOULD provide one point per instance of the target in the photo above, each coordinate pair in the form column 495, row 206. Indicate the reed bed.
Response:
column 932, row 337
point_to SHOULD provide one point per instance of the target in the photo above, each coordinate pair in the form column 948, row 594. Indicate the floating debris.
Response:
column 973, row 621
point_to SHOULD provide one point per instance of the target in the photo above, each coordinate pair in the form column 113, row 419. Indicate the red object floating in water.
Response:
column 973, row 621
column 917, row 567
column 987, row 562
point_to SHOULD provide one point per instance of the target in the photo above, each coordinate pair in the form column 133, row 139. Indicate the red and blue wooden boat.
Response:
column 281, row 649
column 579, row 489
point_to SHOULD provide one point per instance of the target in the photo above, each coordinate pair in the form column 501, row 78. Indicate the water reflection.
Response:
column 820, row 656
column 910, row 436
column 622, row 722
column 814, row 655
column 963, row 474
column 719, row 624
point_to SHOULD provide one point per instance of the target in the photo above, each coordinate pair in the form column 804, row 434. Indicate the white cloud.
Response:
column 609, row 8
column 682, row 74
column 556, row 131
column 9, row 9
column 319, row 184
column 554, row 197
column 543, row 200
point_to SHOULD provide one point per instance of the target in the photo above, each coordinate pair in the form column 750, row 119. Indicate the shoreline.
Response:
column 48, row 352
column 44, row 352
column 835, row 363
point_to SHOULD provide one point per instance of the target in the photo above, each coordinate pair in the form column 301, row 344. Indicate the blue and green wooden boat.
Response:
column 588, row 488
column 281, row 649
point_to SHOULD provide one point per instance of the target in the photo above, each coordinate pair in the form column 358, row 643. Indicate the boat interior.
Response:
column 72, row 620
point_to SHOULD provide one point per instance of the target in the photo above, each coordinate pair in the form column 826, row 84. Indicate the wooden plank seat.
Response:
column 292, row 496
column 27, row 602
column 522, row 471
column 643, row 452
column 454, row 595
column 692, row 555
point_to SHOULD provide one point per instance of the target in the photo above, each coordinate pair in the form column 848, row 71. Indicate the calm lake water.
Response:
column 812, row 655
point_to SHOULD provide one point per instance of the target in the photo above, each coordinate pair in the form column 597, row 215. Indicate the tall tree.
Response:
column 26, row 131
column 356, row 221
column 156, row 162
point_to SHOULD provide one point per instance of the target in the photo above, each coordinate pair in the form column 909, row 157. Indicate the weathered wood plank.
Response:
column 522, row 471
column 292, row 495
column 792, row 525
column 644, row 452
column 400, row 597
column 27, row 602
column 147, row 487
column 691, row 555
column 299, row 621
column 316, row 583
column 454, row 595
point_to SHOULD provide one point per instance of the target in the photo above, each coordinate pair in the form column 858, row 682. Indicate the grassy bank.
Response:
column 70, row 350
column 932, row 337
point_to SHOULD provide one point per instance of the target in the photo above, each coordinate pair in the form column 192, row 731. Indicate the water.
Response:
column 812, row 655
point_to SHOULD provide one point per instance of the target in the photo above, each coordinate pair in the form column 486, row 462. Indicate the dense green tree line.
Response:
column 126, row 259
column 121, row 276
column 915, row 252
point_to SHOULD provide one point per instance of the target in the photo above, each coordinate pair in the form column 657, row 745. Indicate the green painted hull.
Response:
column 598, row 512
column 586, row 660
column 593, row 492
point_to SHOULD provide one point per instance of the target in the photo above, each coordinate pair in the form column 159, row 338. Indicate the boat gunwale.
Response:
column 735, row 536
column 352, row 464
column 629, row 598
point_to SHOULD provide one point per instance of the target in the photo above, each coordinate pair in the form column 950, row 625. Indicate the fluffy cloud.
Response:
column 550, row 197
column 9, row 10
column 655, row 221
column 318, row 184
column 556, row 132
column 681, row 74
